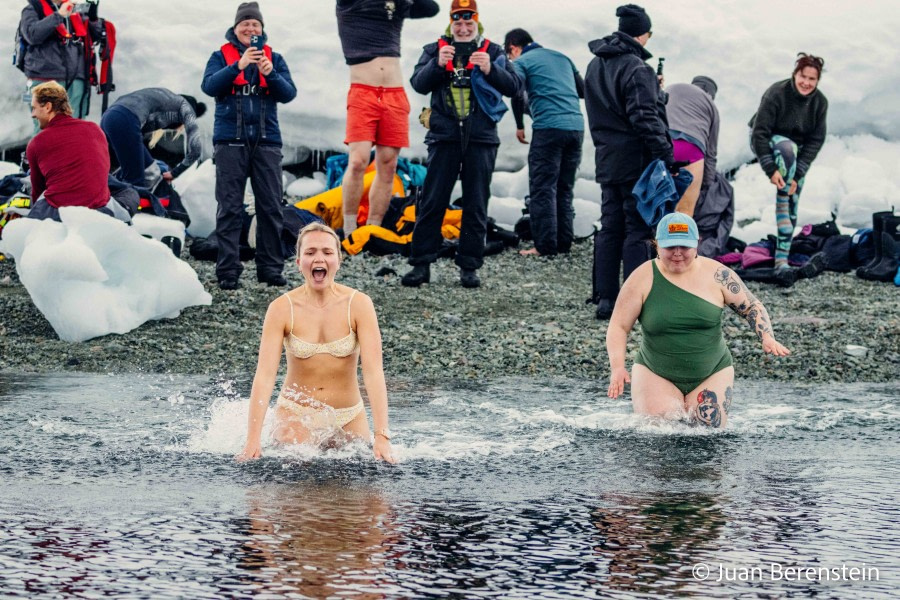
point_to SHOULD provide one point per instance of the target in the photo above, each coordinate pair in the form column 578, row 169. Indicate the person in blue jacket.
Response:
column 248, row 81
column 466, row 75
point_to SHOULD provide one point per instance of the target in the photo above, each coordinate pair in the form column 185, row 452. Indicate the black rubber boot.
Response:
column 877, row 228
column 604, row 309
column 886, row 268
column 420, row 274
column 782, row 277
column 885, row 225
column 469, row 278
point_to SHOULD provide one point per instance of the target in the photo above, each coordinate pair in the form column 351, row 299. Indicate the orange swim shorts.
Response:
column 377, row 114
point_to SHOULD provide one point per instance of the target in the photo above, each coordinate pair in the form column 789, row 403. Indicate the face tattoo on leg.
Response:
column 708, row 408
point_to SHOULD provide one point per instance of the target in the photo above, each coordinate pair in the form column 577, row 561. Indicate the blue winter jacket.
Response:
column 252, row 118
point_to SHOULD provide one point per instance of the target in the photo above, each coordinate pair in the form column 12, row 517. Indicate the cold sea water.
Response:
column 518, row 488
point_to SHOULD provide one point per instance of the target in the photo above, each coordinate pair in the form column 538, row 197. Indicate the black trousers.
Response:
column 624, row 238
column 447, row 163
column 262, row 164
column 553, row 161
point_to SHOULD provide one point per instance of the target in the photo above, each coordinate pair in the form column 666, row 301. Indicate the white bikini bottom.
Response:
column 317, row 415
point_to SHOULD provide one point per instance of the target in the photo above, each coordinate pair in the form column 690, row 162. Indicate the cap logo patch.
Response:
column 464, row 3
column 678, row 228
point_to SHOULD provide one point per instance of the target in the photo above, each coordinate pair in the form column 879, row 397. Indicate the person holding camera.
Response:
column 627, row 117
column 248, row 80
column 147, row 111
column 553, row 87
column 466, row 75
column 58, row 35
column 377, row 107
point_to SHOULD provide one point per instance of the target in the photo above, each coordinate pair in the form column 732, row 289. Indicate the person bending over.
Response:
column 694, row 127
column 788, row 130
column 377, row 107
column 683, row 366
column 325, row 330
column 147, row 111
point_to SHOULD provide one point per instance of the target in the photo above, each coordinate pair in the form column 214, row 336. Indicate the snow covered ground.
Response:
column 744, row 46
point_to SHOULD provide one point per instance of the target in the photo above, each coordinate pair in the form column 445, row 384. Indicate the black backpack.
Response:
column 19, row 50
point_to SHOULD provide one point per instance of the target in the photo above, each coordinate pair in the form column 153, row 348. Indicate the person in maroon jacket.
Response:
column 69, row 159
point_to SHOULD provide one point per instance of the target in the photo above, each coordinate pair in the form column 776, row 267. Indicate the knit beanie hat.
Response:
column 248, row 10
column 464, row 6
column 633, row 20
column 706, row 84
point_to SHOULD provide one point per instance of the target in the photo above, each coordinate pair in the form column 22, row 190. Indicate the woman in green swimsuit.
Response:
column 683, row 366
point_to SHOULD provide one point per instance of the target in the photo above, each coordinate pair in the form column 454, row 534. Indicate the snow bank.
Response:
column 92, row 275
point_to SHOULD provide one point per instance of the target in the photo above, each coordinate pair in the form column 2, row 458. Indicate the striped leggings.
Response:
column 785, row 152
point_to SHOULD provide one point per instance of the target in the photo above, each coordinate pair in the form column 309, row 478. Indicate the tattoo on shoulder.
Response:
column 726, row 277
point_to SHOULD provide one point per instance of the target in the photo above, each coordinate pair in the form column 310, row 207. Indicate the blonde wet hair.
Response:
column 55, row 94
column 317, row 226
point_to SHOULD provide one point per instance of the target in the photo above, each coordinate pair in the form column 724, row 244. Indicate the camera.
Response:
column 461, row 78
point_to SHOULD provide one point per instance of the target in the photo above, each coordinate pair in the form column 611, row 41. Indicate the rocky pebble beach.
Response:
column 529, row 318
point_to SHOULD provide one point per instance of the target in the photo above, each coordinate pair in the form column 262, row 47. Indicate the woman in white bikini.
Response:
column 321, row 389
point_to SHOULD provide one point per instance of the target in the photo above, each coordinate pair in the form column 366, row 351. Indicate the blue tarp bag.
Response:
column 657, row 191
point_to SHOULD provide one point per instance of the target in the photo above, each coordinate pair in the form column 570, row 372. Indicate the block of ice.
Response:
column 91, row 275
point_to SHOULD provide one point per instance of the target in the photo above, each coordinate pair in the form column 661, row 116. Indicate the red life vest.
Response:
column 233, row 55
column 443, row 42
column 77, row 23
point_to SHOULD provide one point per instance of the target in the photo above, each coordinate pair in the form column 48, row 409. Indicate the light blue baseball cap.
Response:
column 677, row 229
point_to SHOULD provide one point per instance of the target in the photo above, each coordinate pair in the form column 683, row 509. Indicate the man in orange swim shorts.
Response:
column 377, row 108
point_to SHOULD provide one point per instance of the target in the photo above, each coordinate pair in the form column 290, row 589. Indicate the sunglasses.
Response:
column 463, row 16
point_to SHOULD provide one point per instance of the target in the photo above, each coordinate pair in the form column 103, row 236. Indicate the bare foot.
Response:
column 529, row 252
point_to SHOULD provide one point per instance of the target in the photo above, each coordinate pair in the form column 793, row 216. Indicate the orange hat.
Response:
column 464, row 6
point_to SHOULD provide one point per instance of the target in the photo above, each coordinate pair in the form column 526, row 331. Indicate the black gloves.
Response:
column 676, row 166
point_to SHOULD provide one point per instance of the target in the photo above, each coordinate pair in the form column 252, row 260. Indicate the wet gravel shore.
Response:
column 528, row 318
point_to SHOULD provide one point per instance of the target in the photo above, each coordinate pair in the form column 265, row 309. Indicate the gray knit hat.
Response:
column 706, row 84
column 248, row 10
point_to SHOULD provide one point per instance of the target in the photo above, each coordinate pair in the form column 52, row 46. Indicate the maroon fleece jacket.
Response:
column 69, row 162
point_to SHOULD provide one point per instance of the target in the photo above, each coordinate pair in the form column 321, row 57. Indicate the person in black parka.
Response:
column 627, row 116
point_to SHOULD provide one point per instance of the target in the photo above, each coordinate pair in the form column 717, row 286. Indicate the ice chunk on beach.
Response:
column 304, row 187
column 197, row 188
column 92, row 275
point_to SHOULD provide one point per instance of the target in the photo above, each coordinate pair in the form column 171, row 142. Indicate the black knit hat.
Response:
column 248, row 10
column 199, row 108
column 633, row 20
column 706, row 84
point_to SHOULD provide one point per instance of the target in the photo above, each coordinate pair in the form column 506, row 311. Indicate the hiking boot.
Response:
column 417, row 276
column 274, row 281
column 229, row 284
column 784, row 277
column 814, row 266
column 604, row 309
column 469, row 278
column 781, row 276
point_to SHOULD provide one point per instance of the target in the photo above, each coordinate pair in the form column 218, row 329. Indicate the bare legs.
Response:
column 707, row 404
column 379, row 193
column 689, row 200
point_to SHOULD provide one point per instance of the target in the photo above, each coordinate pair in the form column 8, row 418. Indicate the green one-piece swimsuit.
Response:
column 682, row 335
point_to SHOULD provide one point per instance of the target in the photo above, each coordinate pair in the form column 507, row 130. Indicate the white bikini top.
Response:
column 341, row 348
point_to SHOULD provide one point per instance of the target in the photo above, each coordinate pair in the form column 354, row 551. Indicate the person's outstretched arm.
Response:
column 371, row 357
column 739, row 299
column 423, row 9
column 627, row 310
column 264, row 380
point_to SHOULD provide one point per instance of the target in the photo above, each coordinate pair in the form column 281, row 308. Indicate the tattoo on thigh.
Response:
column 708, row 408
column 728, row 397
